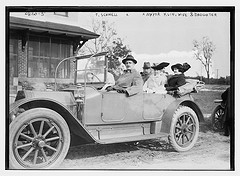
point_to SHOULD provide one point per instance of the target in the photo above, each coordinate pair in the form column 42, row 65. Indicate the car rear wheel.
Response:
column 184, row 129
column 38, row 138
column 217, row 119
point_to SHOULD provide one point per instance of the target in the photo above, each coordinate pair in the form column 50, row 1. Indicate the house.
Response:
column 38, row 41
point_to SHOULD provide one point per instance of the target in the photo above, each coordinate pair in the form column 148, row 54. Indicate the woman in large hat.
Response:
column 178, row 79
column 156, row 82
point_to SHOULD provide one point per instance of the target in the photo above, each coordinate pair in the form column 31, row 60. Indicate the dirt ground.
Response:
column 211, row 152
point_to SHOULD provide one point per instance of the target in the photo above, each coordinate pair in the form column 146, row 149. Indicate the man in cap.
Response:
column 157, row 81
column 146, row 71
column 130, row 82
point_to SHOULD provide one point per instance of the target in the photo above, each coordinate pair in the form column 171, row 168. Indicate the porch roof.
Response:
column 51, row 28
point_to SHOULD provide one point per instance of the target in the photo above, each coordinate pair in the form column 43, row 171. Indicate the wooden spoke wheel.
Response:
column 39, row 138
column 184, row 129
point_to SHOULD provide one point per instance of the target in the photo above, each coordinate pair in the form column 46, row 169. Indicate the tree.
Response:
column 107, row 34
column 117, row 52
column 107, row 41
column 203, row 51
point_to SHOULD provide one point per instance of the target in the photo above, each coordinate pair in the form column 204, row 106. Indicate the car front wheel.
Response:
column 38, row 138
column 184, row 129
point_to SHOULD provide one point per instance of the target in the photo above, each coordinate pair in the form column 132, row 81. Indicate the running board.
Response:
column 132, row 138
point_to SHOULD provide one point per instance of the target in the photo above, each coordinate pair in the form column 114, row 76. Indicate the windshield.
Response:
column 95, row 70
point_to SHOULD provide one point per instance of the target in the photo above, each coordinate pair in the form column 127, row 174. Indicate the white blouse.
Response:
column 155, row 84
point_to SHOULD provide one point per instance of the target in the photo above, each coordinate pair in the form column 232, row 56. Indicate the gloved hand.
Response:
column 121, row 90
column 176, row 94
column 110, row 88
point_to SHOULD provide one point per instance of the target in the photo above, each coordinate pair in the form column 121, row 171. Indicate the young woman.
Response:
column 156, row 82
column 178, row 79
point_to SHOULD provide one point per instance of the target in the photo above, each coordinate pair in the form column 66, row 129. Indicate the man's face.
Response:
column 129, row 64
column 147, row 70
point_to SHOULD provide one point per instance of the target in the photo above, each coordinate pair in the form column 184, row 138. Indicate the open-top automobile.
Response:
column 44, row 124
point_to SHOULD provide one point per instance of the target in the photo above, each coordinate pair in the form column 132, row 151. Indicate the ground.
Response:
column 211, row 152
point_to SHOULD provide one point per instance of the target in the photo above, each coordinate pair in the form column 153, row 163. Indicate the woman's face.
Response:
column 156, row 72
column 176, row 71
column 162, row 70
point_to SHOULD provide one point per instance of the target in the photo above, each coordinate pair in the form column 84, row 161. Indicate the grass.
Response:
column 216, row 87
column 205, row 99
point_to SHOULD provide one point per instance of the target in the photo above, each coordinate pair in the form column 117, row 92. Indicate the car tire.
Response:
column 184, row 129
column 217, row 119
column 38, row 138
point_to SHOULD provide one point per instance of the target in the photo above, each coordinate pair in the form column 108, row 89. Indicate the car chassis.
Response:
column 44, row 124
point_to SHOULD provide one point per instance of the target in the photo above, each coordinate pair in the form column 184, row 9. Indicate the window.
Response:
column 65, row 14
column 13, row 54
column 60, row 49
column 38, row 57
column 44, row 54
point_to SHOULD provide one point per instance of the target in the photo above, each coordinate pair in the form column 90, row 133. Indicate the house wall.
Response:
column 22, row 62
column 23, row 68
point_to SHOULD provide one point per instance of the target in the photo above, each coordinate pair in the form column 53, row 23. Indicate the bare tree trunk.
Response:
column 208, row 72
column 208, row 77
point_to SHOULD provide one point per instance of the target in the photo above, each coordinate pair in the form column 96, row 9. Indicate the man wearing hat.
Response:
column 156, row 82
column 178, row 79
column 130, row 82
column 146, row 71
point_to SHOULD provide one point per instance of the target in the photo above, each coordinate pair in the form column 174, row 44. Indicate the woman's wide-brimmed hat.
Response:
column 182, row 68
column 129, row 57
column 178, row 66
column 160, row 66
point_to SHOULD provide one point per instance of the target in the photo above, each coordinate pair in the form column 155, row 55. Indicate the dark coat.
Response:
column 227, row 114
column 175, row 81
column 131, row 81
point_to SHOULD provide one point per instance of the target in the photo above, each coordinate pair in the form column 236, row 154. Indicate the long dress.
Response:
column 155, row 84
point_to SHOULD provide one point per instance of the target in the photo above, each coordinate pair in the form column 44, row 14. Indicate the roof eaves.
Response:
column 51, row 27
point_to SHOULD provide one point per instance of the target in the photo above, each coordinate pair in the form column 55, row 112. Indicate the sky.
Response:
column 168, row 36
column 218, row 27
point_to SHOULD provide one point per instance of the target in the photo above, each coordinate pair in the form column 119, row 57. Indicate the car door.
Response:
column 154, row 105
column 117, row 107
column 113, row 107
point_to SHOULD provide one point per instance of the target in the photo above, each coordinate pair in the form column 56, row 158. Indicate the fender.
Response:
column 168, row 115
column 74, row 124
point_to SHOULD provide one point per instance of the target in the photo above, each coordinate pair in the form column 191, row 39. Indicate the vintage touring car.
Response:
column 44, row 124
